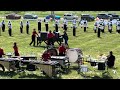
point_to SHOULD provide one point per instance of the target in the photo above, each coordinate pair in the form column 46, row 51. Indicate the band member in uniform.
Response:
column 85, row 25
column 3, row 26
column 27, row 27
column 65, row 37
column 15, row 47
column 21, row 27
column 46, row 25
column 74, row 29
column 95, row 27
column 110, row 26
column 65, row 25
column 62, row 50
column 118, row 27
column 39, row 25
column 102, row 25
column 1, row 52
column 34, row 33
column 10, row 28
column 50, row 37
column 111, row 59
column 46, row 56
column 56, row 25
column 99, row 30
column 39, row 37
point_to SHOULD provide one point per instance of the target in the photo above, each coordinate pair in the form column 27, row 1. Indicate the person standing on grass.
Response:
column 65, row 37
column 9, row 28
column 95, row 27
column 46, row 25
column 118, row 27
column 110, row 59
column 56, row 25
column 99, row 30
column 21, row 27
column 27, row 27
column 39, row 25
column 3, row 26
column 34, row 33
column 15, row 47
column 110, row 26
column 85, row 25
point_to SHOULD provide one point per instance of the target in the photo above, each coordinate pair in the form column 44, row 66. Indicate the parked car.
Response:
column 114, row 16
column 13, row 16
column 70, row 16
column 30, row 16
column 53, row 17
column 103, row 16
column 87, row 17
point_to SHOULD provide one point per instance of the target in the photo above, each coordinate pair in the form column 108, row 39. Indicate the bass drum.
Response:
column 74, row 54
column 53, row 52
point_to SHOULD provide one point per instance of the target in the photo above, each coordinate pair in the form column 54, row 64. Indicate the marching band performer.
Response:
column 65, row 25
column 74, row 28
column 39, row 25
column 21, row 27
column 85, row 25
column 27, row 27
column 118, row 26
column 102, row 25
column 56, row 25
column 74, row 21
column 95, row 26
column 3, row 26
column 110, row 26
column 9, row 28
column 99, row 30
column 46, row 25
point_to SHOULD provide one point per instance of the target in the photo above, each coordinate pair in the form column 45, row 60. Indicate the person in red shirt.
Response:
column 50, row 37
column 1, row 52
column 46, row 56
column 62, row 50
column 16, row 49
column 34, row 33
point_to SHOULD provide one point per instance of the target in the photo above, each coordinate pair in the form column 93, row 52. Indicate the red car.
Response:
column 13, row 16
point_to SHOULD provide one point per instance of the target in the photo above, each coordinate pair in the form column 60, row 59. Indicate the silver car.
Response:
column 68, row 16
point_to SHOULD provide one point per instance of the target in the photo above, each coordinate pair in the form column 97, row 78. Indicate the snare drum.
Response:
column 83, row 68
column 74, row 54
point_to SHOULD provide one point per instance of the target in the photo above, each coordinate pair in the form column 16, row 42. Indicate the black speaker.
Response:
column 101, row 66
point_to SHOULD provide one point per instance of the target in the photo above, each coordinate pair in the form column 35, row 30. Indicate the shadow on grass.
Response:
column 105, row 75
column 35, row 76
column 8, row 74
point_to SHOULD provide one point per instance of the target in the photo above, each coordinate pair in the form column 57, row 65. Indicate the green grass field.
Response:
column 87, row 41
